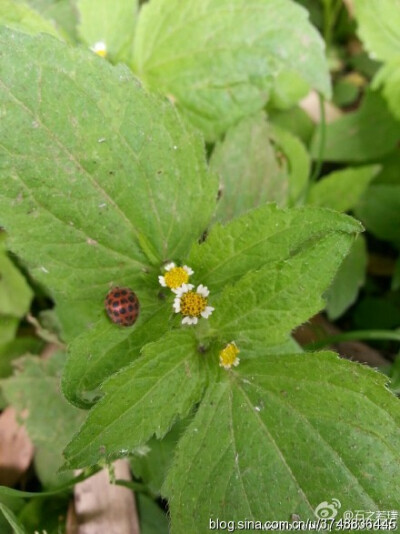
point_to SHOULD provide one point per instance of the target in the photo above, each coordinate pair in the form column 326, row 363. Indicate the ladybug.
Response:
column 122, row 306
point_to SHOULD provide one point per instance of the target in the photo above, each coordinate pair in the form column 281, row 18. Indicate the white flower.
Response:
column 174, row 276
column 99, row 48
column 192, row 304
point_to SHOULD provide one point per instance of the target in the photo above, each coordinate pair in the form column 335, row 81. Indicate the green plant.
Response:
column 106, row 182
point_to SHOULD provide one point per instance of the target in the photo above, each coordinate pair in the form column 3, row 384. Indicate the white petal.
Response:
column 202, row 290
column 207, row 312
column 178, row 291
column 236, row 362
column 169, row 266
column 161, row 279
column 177, row 305
column 185, row 288
column 188, row 270
column 189, row 320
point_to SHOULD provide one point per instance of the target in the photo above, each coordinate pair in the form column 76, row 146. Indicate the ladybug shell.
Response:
column 122, row 306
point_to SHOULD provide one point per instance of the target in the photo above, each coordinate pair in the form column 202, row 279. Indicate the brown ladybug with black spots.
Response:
column 122, row 306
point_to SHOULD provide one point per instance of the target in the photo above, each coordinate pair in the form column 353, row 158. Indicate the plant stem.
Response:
column 11, row 492
column 136, row 486
column 356, row 335
column 331, row 12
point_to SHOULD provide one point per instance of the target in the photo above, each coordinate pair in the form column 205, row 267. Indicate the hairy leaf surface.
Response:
column 217, row 60
column 267, row 444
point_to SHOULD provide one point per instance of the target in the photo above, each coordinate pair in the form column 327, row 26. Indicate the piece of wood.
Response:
column 319, row 327
column 71, row 525
column 101, row 507
column 379, row 265
column 310, row 104
column 350, row 7
column 16, row 449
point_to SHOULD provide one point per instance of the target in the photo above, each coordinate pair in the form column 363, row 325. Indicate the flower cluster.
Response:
column 190, row 303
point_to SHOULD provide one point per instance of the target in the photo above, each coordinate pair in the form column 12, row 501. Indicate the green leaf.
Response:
column 263, row 236
column 13, row 502
column 21, row 17
column 389, row 174
column 379, row 27
column 376, row 313
column 348, row 280
column 345, row 92
column 45, row 515
column 364, row 64
column 104, row 349
column 280, row 435
column 151, row 462
column 122, row 183
column 62, row 13
column 15, row 349
column 294, row 120
column 394, row 374
column 18, row 528
column 366, row 134
column 110, row 22
column 396, row 277
column 152, row 519
column 389, row 78
column 77, row 314
column 5, row 525
column 218, row 60
column 265, row 305
column 15, row 293
column 141, row 400
column 288, row 89
column 290, row 346
column 289, row 147
column 341, row 190
column 379, row 210
column 13, row 495
column 248, row 168
column 8, row 328
column 51, row 420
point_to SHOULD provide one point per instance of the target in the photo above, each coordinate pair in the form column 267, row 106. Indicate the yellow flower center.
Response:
column 176, row 277
column 228, row 355
column 101, row 52
column 192, row 304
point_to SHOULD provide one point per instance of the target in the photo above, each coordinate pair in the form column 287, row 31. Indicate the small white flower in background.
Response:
column 99, row 48
column 192, row 304
column 175, row 277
